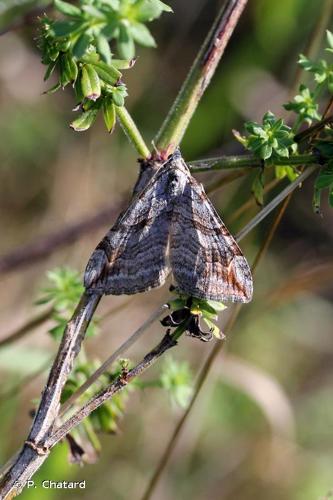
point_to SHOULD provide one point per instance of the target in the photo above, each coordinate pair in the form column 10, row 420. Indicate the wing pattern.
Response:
column 205, row 259
column 131, row 258
column 171, row 211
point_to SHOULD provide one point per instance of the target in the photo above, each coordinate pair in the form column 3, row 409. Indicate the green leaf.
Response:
column 109, row 74
column 118, row 99
column 103, row 48
column 94, row 12
column 258, row 187
column 305, row 63
column 81, row 45
column 53, row 89
column 329, row 37
column 90, row 82
column 125, row 43
column 111, row 29
column 163, row 6
column 64, row 44
column 57, row 331
column 176, row 378
column 266, row 151
column 70, row 67
column 325, row 177
column 53, row 53
column 50, row 70
column 123, row 63
column 67, row 8
column 109, row 114
column 325, row 147
column 282, row 171
column 65, row 77
column 142, row 35
column 151, row 9
column 118, row 95
column 65, row 28
column 78, row 90
column 214, row 329
column 105, row 418
column 84, row 121
column 217, row 306
column 177, row 304
column 64, row 290
column 114, row 4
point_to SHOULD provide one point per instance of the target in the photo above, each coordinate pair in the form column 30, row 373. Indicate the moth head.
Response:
column 176, row 183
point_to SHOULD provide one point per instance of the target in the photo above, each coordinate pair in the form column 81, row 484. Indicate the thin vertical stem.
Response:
column 199, row 76
column 131, row 130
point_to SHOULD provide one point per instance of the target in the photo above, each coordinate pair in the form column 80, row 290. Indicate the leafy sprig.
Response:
column 105, row 419
column 63, row 292
column 273, row 141
column 324, row 181
column 78, row 48
column 269, row 141
column 304, row 105
column 177, row 379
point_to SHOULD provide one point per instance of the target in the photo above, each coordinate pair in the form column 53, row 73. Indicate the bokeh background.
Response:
column 263, row 425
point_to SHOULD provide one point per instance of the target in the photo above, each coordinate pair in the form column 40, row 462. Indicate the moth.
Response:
column 170, row 225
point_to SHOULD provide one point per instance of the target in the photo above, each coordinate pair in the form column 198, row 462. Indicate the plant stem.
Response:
column 117, row 385
column 274, row 203
column 199, row 76
column 132, row 131
column 111, row 359
column 33, row 452
column 250, row 161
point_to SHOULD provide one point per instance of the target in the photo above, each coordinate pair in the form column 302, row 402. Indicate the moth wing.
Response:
column 131, row 258
column 205, row 259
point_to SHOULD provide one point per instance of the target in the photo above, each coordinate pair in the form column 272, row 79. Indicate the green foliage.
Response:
column 258, row 186
column 304, row 105
column 78, row 47
column 177, row 378
column 82, row 371
column 273, row 142
column 324, row 180
column 322, row 70
column 104, row 419
column 63, row 293
column 270, row 140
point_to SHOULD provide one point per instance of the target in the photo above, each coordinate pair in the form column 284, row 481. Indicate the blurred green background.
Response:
column 263, row 425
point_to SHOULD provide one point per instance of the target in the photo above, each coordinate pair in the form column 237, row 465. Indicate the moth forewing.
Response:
column 131, row 257
column 205, row 259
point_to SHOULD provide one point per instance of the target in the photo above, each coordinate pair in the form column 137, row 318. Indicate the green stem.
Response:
column 200, row 74
column 132, row 132
column 250, row 161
